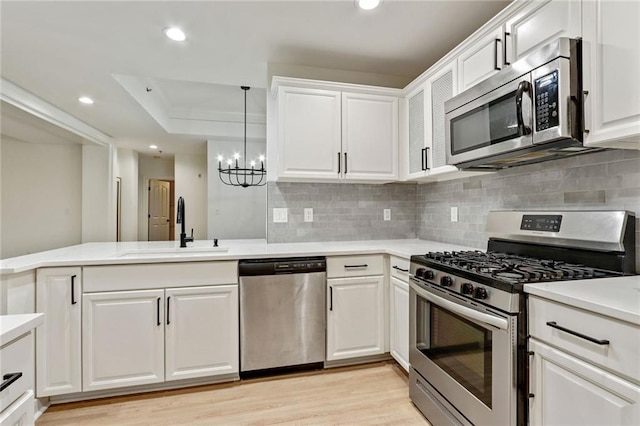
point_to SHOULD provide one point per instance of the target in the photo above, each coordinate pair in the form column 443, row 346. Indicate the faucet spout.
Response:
column 180, row 218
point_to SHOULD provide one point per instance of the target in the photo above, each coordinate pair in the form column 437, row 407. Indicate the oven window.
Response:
column 486, row 125
column 459, row 347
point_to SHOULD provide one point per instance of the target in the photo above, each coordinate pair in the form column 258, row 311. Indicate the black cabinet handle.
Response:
column 339, row 159
column 425, row 159
column 345, row 163
column 554, row 324
column 8, row 379
column 400, row 269
column 158, row 301
column 364, row 265
column 330, row 298
column 504, row 49
column 168, row 304
column 495, row 54
column 73, row 290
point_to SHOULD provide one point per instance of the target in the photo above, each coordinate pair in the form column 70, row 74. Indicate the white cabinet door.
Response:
column 418, row 162
column 540, row 23
column 355, row 321
column 58, row 350
column 399, row 321
column 441, row 87
column 309, row 127
column 201, row 331
column 122, row 339
column 611, row 51
column 481, row 60
column 369, row 137
column 567, row 391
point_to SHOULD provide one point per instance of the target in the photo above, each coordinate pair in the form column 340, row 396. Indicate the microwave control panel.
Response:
column 546, row 98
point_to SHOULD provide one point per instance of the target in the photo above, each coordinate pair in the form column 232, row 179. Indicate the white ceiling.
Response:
column 62, row 50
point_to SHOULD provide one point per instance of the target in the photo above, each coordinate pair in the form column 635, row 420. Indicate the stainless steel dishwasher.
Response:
column 282, row 312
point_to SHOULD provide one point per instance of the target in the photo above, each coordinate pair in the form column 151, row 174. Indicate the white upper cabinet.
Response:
column 369, row 137
column 417, row 161
column 611, row 51
column 309, row 133
column 441, row 87
column 481, row 59
column 540, row 23
column 332, row 131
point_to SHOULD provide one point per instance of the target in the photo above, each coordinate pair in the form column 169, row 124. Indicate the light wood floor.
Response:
column 373, row 394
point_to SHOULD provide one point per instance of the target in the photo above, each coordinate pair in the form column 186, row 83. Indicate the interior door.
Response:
column 159, row 210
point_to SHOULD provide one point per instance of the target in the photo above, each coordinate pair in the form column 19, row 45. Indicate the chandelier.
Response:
column 233, row 174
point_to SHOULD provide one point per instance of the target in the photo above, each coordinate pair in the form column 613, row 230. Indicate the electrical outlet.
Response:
column 387, row 214
column 454, row 214
column 308, row 215
column 280, row 216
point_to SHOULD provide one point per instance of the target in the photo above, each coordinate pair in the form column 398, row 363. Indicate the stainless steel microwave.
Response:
column 527, row 113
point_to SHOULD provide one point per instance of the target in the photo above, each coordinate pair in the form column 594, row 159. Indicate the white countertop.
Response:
column 614, row 297
column 13, row 326
column 134, row 252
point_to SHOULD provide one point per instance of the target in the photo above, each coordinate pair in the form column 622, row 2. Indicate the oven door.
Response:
column 466, row 353
column 494, row 123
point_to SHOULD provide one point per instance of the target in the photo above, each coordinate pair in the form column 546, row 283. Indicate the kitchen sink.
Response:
column 171, row 252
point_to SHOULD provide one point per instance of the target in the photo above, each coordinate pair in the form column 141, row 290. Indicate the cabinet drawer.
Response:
column 159, row 275
column 619, row 355
column 400, row 268
column 354, row 266
column 16, row 357
column 20, row 413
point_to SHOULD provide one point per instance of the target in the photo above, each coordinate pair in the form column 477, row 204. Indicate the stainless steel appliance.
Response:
column 527, row 113
column 467, row 311
column 282, row 312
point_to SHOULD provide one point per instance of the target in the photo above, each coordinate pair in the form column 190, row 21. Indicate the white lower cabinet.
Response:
column 201, row 332
column 355, row 317
column 58, row 348
column 568, row 391
column 123, row 339
column 399, row 321
column 149, row 336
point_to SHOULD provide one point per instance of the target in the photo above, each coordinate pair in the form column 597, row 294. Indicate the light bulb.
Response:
column 261, row 158
column 85, row 100
column 220, row 158
column 229, row 161
column 175, row 34
column 236, row 156
column 253, row 164
column 368, row 4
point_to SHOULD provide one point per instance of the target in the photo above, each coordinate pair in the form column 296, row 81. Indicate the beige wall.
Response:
column 127, row 170
column 191, row 184
column 40, row 196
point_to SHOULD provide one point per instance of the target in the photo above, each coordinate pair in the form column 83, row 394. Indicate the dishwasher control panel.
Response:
column 304, row 265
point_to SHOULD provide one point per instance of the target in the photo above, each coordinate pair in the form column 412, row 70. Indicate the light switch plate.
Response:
column 280, row 216
column 454, row 214
column 308, row 215
column 387, row 214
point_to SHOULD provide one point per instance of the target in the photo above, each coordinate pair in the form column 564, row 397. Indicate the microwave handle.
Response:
column 524, row 86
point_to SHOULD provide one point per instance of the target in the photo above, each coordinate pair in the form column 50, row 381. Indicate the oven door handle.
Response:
column 495, row 321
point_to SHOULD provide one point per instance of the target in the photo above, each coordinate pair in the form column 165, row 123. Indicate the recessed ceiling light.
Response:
column 175, row 34
column 153, row 146
column 368, row 4
column 85, row 100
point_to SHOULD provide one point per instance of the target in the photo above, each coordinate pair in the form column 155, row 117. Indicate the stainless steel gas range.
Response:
column 468, row 316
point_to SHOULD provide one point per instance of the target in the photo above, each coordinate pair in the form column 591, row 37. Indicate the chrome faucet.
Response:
column 181, row 220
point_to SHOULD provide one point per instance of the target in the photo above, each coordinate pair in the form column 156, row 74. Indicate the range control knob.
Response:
column 446, row 281
column 428, row 274
column 480, row 293
column 467, row 288
column 420, row 272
